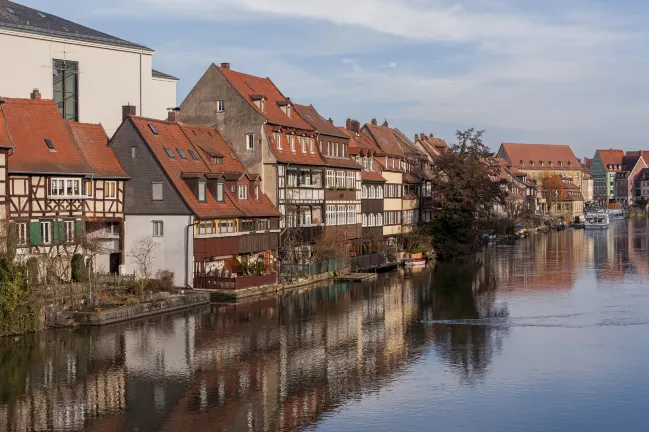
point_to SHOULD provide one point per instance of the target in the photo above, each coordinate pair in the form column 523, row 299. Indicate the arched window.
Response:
column 372, row 192
column 379, row 191
column 364, row 192
column 372, row 220
column 364, row 220
column 379, row 219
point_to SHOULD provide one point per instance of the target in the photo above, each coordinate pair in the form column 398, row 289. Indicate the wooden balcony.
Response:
column 208, row 247
column 219, row 283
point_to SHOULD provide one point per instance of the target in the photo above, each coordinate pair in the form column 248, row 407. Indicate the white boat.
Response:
column 596, row 221
column 616, row 214
column 415, row 262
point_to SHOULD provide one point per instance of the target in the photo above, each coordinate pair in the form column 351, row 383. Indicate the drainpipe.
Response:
column 190, row 237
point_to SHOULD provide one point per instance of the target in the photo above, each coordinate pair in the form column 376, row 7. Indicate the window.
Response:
column 336, row 149
column 320, row 145
column 364, row 191
column 379, row 219
column 227, row 226
column 181, row 153
column 331, row 215
column 110, row 189
column 201, row 191
column 62, row 188
column 331, row 178
column 340, row 179
column 158, row 229
column 372, row 192
column 156, row 191
column 250, row 141
column 220, row 106
column 257, row 192
column 46, row 232
column 243, row 192
column 278, row 140
column 291, row 178
column 371, row 220
column 379, row 192
column 193, row 154
column 305, row 178
column 342, row 150
column 49, row 144
column 303, row 142
column 112, row 228
column 219, row 191
column 305, row 216
column 90, row 188
column 133, row 152
column 69, row 231
column 21, row 231
column 351, row 214
column 66, row 88
column 169, row 153
column 292, row 142
column 364, row 220
column 206, row 228
column 365, row 165
column 342, row 217
column 311, row 145
column 153, row 129
column 351, row 180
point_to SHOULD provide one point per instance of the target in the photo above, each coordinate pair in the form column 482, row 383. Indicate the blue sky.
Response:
column 525, row 71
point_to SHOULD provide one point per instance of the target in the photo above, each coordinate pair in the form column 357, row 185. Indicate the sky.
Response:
column 560, row 72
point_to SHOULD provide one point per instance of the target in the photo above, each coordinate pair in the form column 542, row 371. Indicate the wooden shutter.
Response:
column 78, row 228
column 35, row 233
column 59, row 232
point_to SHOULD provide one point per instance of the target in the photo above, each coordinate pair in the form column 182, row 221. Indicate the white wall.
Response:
column 174, row 251
column 109, row 77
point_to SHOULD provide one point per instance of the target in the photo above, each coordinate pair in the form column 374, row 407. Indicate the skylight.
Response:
column 181, row 153
column 193, row 154
column 153, row 129
column 169, row 153
column 10, row 10
column 49, row 144
column 42, row 15
column 249, row 86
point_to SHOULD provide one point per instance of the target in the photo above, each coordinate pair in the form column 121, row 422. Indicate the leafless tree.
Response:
column 142, row 254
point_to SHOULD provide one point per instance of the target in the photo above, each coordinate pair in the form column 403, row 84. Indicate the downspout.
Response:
column 190, row 230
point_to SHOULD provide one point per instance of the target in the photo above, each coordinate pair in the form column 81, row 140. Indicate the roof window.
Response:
column 50, row 145
column 10, row 10
column 153, row 129
column 193, row 154
column 169, row 153
column 181, row 153
column 42, row 15
column 249, row 86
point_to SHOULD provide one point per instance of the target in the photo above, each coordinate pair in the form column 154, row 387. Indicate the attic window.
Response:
column 217, row 160
column 42, row 15
column 569, row 163
column 10, row 10
column 522, row 163
column 560, row 163
column 193, row 154
column 169, row 153
column 181, row 153
column 249, row 86
column 50, row 145
column 153, row 129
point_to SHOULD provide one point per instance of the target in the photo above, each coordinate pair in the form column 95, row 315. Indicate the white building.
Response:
column 89, row 74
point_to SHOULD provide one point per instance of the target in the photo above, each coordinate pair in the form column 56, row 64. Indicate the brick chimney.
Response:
column 348, row 124
column 174, row 115
column 225, row 65
column 374, row 122
column 128, row 110
column 331, row 120
column 385, row 123
column 422, row 136
column 36, row 94
column 353, row 126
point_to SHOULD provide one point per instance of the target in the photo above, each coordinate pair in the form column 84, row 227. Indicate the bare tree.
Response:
column 330, row 246
column 142, row 254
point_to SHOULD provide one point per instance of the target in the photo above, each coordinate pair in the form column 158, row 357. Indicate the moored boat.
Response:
column 415, row 262
column 597, row 221
column 616, row 214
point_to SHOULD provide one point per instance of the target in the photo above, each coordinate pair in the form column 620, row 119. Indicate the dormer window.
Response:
column 243, row 192
column 569, row 163
column 201, row 191
column 303, row 142
column 371, row 164
column 522, row 163
column 278, row 140
column 292, row 141
column 257, row 192
column 217, row 160
column 540, row 163
column 219, row 191
column 288, row 110
column 311, row 150
column 551, row 163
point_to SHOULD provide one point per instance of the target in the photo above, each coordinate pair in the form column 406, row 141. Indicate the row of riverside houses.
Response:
column 619, row 178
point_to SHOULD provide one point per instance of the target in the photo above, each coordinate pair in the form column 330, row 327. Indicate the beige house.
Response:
column 89, row 74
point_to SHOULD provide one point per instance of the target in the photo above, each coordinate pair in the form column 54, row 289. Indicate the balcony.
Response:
column 233, row 284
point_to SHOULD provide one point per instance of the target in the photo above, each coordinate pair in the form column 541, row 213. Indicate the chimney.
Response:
column 348, row 124
column 374, row 123
column 356, row 126
column 36, row 94
column 174, row 115
column 225, row 65
column 331, row 120
column 431, row 135
column 128, row 110
column 422, row 136
column 385, row 123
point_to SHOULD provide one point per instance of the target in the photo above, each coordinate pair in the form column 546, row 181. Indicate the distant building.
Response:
column 606, row 164
column 625, row 179
column 89, row 74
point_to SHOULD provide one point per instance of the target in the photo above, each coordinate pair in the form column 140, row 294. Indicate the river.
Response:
column 547, row 334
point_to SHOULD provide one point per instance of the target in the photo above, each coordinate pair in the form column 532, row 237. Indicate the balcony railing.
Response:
column 228, row 283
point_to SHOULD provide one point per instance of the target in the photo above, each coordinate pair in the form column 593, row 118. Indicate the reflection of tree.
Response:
column 464, row 297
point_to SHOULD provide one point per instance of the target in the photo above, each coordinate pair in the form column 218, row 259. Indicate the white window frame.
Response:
column 153, row 185
column 291, row 139
column 364, row 220
column 342, row 215
column 56, row 187
column 379, row 219
column 278, row 140
column 351, row 180
column 250, row 142
column 379, row 192
column 351, row 214
column 332, row 217
column 69, row 229
column 46, row 232
column 331, row 178
column 311, row 149
column 364, row 192
column 21, row 229
column 106, row 189
column 340, row 179
column 371, row 220
column 242, row 192
column 220, row 192
column 158, row 228
column 220, row 106
column 372, row 192
column 257, row 192
column 202, row 191
column 92, row 187
column 303, row 144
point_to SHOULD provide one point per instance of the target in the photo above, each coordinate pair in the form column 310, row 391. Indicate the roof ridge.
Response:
column 241, row 73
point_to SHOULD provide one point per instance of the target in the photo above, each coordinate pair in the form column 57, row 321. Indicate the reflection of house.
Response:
column 269, row 137
column 191, row 194
column 88, row 74
column 626, row 178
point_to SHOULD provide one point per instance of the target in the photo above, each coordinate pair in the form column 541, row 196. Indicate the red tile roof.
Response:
column 433, row 145
column 93, row 143
column 360, row 142
column 385, row 139
column 611, row 157
column 29, row 122
column 285, row 154
column 212, row 143
column 520, row 156
column 322, row 126
column 173, row 136
column 249, row 85
column 372, row 176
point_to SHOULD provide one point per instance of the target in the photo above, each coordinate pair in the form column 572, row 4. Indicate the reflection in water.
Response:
column 287, row 363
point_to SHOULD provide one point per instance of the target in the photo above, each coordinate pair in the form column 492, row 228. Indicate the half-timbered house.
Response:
column 212, row 224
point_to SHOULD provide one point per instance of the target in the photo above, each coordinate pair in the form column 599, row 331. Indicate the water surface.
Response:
column 548, row 334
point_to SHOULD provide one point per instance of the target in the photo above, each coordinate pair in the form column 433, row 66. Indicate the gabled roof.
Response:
column 611, row 157
column 433, row 145
column 629, row 162
column 341, row 162
column 249, row 85
column 322, row 126
column 176, row 136
column 28, row 123
column 385, row 139
column 93, row 143
column 23, row 19
column 158, row 74
column 372, row 176
column 360, row 143
column 285, row 155
column 520, row 156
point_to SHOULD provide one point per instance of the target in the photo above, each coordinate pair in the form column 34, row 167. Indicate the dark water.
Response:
column 550, row 334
